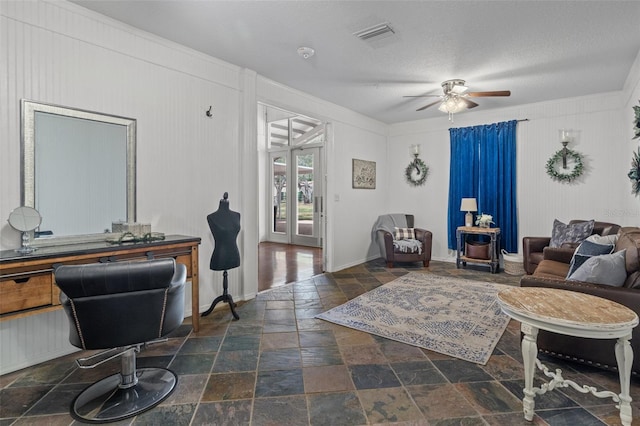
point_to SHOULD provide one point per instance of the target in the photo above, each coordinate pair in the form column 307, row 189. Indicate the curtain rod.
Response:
column 524, row 119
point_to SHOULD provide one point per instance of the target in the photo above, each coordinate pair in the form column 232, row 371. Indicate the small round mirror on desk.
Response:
column 25, row 219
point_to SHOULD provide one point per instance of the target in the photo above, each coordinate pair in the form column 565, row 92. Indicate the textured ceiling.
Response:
column 538, row 50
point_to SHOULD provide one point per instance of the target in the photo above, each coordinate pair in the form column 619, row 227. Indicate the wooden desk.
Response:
column 573, row 314
column 27, row 285
column 494, row 245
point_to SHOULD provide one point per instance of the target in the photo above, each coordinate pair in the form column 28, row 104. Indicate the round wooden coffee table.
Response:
column 572, row 314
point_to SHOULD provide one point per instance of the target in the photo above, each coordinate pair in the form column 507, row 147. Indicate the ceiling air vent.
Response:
column 375, row 32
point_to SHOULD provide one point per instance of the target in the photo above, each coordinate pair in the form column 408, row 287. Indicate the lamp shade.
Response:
column 468, row 205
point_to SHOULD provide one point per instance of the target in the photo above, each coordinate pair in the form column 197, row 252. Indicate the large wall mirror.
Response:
column 78, row 170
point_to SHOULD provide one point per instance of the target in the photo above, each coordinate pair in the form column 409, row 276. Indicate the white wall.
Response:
column 56, row 52
column 354, row 211
column 631, row 98
column 601, row 193
column 351, row 135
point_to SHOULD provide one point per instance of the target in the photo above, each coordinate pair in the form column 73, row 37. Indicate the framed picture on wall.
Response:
column 363, row 174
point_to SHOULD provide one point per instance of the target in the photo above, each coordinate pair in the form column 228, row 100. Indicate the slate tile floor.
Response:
column 278, row 365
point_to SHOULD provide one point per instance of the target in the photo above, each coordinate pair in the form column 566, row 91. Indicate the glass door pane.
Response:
column 308, row 203
column 304, row 183
column 279, row 212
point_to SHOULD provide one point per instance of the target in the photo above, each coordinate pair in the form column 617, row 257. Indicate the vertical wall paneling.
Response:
column 57, row 52
column 32, row 340
column 249, row 181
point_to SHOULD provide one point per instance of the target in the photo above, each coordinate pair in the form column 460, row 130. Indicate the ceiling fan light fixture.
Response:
column 452, row 104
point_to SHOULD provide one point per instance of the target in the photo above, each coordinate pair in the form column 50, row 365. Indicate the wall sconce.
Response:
column 566, row 136
column 468, row 205
column 416, row 172
column 415, row 150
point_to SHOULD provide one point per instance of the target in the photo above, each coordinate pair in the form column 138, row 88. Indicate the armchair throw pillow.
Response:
column 585, row 250
column 574, row 233
column 404, row 234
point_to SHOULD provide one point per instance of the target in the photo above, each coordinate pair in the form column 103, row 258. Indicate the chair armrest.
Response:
column 559, row 254
column 423, row 235
column 387, row 237
column 427, row 238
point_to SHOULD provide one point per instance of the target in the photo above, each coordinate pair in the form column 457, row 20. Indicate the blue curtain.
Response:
column 483, row 166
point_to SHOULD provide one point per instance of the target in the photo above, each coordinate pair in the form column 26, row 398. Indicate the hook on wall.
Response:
column 208, row 112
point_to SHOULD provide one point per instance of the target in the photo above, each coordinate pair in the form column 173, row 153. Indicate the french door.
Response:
column 296, row 180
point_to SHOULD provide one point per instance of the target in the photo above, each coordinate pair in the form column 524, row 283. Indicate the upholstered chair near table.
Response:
column 400, row 241
column 533, row 247
column 119, row 306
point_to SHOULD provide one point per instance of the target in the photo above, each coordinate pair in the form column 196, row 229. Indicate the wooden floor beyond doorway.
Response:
column 279, row 264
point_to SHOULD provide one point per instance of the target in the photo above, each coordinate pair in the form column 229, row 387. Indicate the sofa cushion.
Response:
column 404, row 234
column 570, row 233
column 585, row 250
column 552, row 269
column 606, row 269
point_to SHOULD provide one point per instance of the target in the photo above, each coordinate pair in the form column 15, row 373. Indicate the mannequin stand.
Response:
column 224, row 297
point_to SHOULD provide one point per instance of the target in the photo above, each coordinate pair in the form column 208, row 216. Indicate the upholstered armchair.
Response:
column 119, row 306
column 533, row 247
column 418, row 250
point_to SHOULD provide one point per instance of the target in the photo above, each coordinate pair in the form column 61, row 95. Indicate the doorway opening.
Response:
column 292, row 217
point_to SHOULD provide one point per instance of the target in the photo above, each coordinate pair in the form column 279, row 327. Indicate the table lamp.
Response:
column 468, row 205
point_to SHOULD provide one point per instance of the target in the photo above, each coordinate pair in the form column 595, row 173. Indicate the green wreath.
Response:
column 416, row 172
column 634, row 173
column 565, row 177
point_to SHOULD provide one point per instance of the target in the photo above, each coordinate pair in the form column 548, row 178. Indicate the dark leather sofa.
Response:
column 533, row 247
column 551, row 272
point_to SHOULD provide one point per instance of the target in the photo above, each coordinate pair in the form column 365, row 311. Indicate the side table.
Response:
column 494, row 235
column 573, row 314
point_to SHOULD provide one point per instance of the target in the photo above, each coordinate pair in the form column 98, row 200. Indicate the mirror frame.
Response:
column 28, row 111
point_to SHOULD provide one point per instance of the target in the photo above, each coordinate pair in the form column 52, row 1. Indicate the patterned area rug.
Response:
column 456, row 317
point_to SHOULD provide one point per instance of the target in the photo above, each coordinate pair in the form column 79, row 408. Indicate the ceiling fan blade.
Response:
column 422, row 96
column 469, row 104
column 428, row 105
column 494, row 93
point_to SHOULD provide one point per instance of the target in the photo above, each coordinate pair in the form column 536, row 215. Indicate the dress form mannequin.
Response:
column 225, row 226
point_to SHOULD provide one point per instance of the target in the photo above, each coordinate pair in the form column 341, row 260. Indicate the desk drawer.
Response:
column 25, row 292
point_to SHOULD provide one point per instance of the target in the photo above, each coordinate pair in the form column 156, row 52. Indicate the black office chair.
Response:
column 119, row 306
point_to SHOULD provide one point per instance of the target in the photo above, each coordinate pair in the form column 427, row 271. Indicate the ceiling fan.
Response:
column 455, row 97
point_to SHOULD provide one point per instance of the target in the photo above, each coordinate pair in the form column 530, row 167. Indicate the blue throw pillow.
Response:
column 606, row 269
column 585, row 250
column 574, row 233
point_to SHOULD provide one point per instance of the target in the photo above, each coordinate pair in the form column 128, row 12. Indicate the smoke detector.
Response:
column 306, row 52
